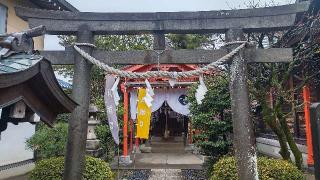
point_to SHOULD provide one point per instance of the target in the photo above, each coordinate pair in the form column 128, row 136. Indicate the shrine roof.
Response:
column 29, row 77
column 18, row 62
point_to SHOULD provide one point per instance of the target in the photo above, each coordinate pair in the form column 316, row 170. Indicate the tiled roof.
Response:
column 22, row 61
column 18, row 62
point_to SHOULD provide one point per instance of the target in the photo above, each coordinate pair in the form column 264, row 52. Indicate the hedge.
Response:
column 52, row 169
column 268, row 169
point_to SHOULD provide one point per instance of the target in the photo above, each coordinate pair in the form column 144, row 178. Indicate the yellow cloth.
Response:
column 143, row 116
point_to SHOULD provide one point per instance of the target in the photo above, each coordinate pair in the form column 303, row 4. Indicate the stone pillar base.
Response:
column 136, row 150
column 95, row 152
column 125, row 160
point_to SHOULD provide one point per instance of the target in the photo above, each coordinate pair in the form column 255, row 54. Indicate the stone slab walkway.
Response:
column 163, row 161
column 165, row 174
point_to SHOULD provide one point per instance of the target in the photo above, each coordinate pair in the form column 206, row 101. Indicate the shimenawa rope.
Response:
column 166, row 74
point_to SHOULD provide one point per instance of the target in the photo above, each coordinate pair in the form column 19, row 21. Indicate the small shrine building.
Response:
column 170, row 108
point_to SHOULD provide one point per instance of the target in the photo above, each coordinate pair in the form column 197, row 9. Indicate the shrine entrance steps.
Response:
column 160, row 153
column 162, row 161
column 170, row 145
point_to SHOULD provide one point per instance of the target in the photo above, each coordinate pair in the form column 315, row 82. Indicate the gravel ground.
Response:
column 194, row 174
column 136, row 174
column 162, row 174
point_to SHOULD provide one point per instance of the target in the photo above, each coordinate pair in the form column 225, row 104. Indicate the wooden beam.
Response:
column 197, row 56
column 250, row 20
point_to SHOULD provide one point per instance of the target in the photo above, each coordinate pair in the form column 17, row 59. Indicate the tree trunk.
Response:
column 270, row 119
column 293, row 146
column 284, row 150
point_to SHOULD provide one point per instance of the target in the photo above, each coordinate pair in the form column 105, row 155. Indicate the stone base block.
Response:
column 136, row 150
column 125, row 160
column 145, row 149
column 93, row 144
column 95, row 153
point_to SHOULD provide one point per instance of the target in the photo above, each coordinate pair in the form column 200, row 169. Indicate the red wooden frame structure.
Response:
column 125, row 88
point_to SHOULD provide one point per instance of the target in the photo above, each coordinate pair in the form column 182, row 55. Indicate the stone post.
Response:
column 159, row 41
column 78, row 124
column 243, row 133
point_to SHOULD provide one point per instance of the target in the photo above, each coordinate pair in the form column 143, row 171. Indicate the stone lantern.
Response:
column 93, row 144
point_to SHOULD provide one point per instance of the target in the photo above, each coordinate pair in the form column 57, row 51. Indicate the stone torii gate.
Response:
column 234, row 23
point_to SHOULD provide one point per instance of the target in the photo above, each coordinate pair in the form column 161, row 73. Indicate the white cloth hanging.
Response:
column 158, row 99
column 133, row 104
column 177, row 100
column 201, row 91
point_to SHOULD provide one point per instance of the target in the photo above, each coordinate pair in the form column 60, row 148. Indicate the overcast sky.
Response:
column 162, row 5
column 51, row 42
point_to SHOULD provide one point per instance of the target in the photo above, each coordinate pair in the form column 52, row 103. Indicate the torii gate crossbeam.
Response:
column 232, row 22
column 250, row 20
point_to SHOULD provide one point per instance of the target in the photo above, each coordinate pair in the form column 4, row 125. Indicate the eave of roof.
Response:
column 34, row 82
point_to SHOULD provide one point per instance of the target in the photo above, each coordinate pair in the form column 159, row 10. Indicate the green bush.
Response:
column 52, row 168
column 225, row 169
column 212, row 117
column 49, row 142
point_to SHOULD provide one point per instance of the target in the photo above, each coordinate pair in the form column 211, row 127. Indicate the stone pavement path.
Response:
column 165, row 174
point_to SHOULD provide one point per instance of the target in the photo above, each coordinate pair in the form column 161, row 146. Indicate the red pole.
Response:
column 131, row 135
column 125, row 122
column 306, row 99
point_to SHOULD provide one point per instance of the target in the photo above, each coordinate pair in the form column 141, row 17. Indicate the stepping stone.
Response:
column 165, row 174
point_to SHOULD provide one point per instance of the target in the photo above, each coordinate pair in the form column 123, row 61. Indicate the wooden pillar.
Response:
column 131, row 135
column 190, row 132
column 306, row 100
column 125, row 122
column 243, row 132
column 77, row 131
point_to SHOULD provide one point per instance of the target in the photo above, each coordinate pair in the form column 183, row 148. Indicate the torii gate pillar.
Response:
column 78, row 124
column 243, row 134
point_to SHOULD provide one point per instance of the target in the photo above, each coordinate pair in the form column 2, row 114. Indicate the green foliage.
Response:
column 225, row 169
column 104, row 134
column 106, row 141
column 212, row 117
column 49, row 142
column 124, row 42
column 52, row 169
column 188, row 41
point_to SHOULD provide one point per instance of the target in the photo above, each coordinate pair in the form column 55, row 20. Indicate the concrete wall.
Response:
column 12, row 143
column 15, row 24
column 271, row 147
